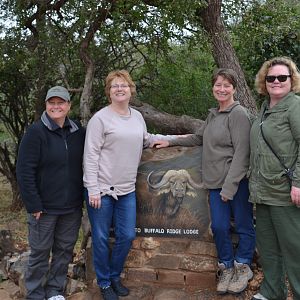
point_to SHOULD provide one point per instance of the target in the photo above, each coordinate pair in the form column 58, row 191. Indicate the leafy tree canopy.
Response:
column 267, row 29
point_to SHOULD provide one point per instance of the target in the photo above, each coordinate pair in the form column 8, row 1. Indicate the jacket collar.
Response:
column 53, row 126
column 215, row 110
column 283, row 104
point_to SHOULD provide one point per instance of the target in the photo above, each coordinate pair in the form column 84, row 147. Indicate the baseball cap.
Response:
column 58, row 91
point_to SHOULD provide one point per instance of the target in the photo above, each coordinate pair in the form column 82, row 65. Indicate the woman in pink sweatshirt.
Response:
column 115, row 138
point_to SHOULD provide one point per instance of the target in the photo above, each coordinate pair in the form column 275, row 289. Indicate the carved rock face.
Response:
column 170, row 198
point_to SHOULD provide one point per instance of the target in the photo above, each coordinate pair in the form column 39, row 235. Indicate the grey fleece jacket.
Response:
column 225, row 139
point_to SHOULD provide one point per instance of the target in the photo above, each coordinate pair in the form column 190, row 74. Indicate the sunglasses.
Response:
column 280, row 78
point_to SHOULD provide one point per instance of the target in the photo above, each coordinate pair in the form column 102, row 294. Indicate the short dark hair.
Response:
column 228, row 74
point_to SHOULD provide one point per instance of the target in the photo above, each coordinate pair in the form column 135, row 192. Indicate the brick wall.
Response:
column 171, row 262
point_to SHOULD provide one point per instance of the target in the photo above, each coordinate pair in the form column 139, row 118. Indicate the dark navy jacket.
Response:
column 49, row 166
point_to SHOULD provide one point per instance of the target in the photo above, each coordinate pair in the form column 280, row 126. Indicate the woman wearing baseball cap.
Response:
column 49, row 173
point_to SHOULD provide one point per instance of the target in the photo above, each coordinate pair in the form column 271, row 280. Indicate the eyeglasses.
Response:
column 119, row 86
column 280, row 78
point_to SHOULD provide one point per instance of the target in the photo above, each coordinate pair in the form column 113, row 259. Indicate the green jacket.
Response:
column 281, row 127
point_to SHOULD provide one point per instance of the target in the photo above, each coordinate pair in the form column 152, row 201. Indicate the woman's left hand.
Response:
column 224, row 199
column 95, row 201
column 160, row 144
column 295, row 195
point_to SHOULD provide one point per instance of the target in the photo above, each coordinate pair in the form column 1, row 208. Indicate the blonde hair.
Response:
column 260, row 80
column 123, row 74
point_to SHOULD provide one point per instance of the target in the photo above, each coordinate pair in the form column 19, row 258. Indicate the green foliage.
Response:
column 161, row 44
column 181, row 83
column 267, row 30
column 3, row 133
column 233, row 10
column 16, row 108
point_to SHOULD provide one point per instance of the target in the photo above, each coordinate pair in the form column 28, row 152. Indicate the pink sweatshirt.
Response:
column 112, row 152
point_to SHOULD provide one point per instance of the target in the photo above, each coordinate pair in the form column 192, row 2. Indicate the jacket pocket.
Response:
column 276, row 184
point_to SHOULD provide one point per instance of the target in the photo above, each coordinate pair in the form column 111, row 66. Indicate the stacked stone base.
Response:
column 168, row 262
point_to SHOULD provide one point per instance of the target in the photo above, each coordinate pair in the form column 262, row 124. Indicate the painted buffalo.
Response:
column 174, row 186
column 170, row 195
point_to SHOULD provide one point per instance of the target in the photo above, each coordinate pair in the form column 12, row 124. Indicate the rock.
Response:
column 16, row 265
column 21, row 284
column 77, row 270
column 6, row 243
column 198, row 264
column 170, row 294
column 143, row 292
column 74, row 286
column 82, row 296
column 12, row 289
column 4, row 295
column 3, row 272
column 141, row 275
column 149, row 243
column 86, row 230
column 135, row 259
column 165, row 261
column 136, row 244
column 202, row 248
column 212, row 295
column 174, row 246
column 89, row 264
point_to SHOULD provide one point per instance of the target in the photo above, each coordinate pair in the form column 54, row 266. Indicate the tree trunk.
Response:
column 165, row 123
column 85, row 99
column 8, row 169
column 41, row 55
column 17, row 203
column 222, row 50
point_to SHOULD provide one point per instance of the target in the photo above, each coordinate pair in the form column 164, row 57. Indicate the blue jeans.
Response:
column 242, row 211
column 120, row 214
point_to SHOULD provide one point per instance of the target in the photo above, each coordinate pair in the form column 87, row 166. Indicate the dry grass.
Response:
column 13, row 221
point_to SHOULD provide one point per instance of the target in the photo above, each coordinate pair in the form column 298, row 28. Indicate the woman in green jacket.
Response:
column 275, row 178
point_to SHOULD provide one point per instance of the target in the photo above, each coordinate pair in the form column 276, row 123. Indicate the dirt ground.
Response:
column 13, row 221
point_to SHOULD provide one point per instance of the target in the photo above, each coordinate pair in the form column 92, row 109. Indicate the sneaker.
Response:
column 57, row 297
column 259, row 296
column 119, row 288
column 108, row 293
column 224, row 277
column 239, row 281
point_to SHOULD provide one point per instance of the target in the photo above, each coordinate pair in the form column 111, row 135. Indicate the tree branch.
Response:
column 166, row 123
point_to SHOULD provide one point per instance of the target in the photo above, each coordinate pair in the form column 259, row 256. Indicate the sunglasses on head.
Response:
column 280, row 78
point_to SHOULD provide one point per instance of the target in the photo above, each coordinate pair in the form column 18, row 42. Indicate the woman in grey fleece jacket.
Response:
column 225, row 140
